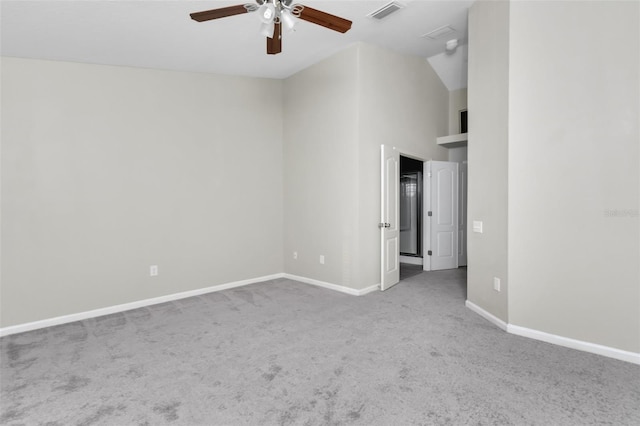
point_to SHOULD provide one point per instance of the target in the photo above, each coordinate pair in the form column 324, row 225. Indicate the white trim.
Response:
column 64, row 319
column 50, row 322
column 607, row 351
column 580, row 345
column 486, row 315
column 567, row 342
column 411, row 260
column 336, row 287
column 426, row 219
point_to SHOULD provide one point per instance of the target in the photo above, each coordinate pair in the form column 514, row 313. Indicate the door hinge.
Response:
column 384, row 225
column 429, row 213
column 429, row 253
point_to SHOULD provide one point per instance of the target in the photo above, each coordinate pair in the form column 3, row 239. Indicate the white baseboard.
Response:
column 50, row 322
column 412, row 260
column 510, row 328
column 575, row 344
column 567, row 342
column 336, row 287
column 486, row 315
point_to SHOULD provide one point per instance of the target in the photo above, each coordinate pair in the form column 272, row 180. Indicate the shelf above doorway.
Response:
column 452, row 141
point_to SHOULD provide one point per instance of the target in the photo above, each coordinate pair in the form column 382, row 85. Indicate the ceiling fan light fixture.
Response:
column 287, row 19
column 275, row 14
column 267, row 13
column 267, row 29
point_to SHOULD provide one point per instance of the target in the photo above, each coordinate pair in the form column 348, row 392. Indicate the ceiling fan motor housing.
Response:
column 275, row 13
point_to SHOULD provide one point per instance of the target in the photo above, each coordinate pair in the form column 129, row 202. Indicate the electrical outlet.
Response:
column 295, row 254
column 322, row 259
column 496, row 284
column 153, row 270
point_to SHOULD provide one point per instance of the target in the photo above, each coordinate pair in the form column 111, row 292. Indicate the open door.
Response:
column 442, row 215
column 389, row 216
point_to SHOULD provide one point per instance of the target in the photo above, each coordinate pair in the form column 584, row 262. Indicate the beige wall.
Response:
column 556, row 116
column 457, row 102
column 402, row 103
column 108, row 170
column 337, row 114
column 574, row 157
column 487, row 154
column 320, row 158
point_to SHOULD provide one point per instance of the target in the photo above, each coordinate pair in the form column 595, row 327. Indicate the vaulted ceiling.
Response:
column 160, row 34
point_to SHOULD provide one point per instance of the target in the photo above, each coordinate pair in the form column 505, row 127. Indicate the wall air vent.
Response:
column 386, row 10
column 439, row 32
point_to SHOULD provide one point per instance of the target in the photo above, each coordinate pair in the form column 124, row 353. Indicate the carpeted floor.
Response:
column 286, row 353
column 408, row 270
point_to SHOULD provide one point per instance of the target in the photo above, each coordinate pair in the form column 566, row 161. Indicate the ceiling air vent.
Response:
column 386, row 10
column 439, row 32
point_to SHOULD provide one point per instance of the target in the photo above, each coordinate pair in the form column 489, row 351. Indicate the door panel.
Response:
column 392, row 258
column 444, row 246
column 444, row 207
column 390, row 214
column 443, row 223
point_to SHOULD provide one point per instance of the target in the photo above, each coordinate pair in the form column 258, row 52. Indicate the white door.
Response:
column 462, row 215
column 442, row 215
column 389, row 216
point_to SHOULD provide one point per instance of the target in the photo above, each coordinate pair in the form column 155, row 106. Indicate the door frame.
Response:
column 404, row 153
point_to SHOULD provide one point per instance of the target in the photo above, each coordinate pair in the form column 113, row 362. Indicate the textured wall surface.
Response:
column 107, row 170
column 487, row 153
column 574, row 171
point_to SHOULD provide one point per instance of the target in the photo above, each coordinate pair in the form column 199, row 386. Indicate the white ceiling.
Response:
column 159, row 34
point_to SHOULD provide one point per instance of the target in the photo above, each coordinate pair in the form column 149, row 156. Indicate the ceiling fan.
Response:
column 273, row 15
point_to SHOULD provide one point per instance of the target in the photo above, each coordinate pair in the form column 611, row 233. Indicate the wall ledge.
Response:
column 453, row 141
column 567, row 342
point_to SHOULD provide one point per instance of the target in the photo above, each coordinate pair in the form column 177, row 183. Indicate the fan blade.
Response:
column 324, row 19
column 274, row 44
column 223, row 12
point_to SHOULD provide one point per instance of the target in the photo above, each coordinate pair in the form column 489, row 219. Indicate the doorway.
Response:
column 410, row 204
column 421, row 216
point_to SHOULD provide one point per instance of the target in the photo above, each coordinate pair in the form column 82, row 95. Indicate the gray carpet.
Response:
column 408, row 270
column 285, row 353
